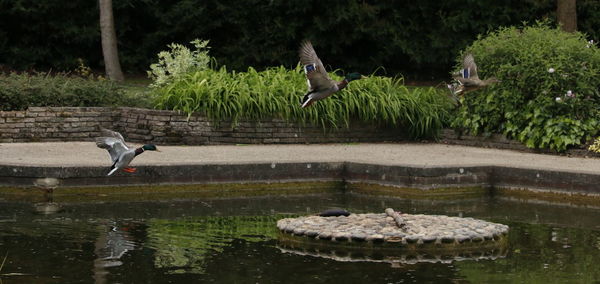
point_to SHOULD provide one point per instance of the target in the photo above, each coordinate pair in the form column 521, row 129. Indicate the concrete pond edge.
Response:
column 355, row 177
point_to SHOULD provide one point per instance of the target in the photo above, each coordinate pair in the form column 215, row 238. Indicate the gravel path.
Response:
column 408, row 154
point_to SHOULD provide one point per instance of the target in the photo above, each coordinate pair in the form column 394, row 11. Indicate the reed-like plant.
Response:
column 276, row 92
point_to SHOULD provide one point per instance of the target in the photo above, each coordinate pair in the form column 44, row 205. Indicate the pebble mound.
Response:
column 394, row 228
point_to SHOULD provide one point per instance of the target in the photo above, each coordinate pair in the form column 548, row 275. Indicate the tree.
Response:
column 566, row 13
column 109, row 41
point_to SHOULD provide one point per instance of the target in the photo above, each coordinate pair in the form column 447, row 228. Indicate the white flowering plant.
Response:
column 178, row 61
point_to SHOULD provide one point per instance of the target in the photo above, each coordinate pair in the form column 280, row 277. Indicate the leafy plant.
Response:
column 276, row 92
column 549, row 94
column 595, row 147
column 19, row 91
column 179, row 61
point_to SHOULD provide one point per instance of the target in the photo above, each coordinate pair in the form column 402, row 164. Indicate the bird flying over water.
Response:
column 320, row 85
column 120, row 154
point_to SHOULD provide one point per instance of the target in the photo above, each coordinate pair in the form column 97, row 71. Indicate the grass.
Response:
column 276, row 92
column 136, row 92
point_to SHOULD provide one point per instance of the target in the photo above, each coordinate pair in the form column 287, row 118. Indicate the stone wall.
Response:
column 449, row 136
column 40, row 124
column 498, row 141
column 46, row 124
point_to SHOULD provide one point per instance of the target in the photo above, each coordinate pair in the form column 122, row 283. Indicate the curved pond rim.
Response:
column 307, row 178
column 298, row 188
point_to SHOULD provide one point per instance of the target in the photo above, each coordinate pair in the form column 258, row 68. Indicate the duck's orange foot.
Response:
column 129, row 170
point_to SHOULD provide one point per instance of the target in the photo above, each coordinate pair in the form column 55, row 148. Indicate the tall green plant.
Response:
column 276, row 92
column 549, row 95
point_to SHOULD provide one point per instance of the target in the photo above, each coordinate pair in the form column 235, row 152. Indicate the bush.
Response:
column 19, row 91
column 276, row 92
column 179, row 61
column 549, row 94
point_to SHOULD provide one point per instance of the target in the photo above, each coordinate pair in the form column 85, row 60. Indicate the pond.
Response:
column 234, row 240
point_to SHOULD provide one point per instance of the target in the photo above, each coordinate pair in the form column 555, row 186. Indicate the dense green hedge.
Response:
column 413, row 37
column 19, row 91
column 549, row 94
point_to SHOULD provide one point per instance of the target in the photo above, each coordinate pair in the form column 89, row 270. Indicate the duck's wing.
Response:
column 316, row 75
column 114, row 134
column 469, row 67
column 115, row 146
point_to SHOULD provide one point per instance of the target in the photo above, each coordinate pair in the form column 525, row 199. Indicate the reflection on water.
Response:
column 112, row 243
column 235, row 241
column 397, row 258
column 182, row 245
column 47, row 208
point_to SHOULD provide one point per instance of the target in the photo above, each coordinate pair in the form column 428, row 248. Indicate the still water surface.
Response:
column 235, row 241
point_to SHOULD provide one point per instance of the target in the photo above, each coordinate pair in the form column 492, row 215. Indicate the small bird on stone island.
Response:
column 120, row 154
column 467, row 79
column 334, row 213
column 320, row 85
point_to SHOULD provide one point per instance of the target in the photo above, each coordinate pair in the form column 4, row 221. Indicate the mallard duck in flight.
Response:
column 467, row 79
column 120, row 154
column 320, row 85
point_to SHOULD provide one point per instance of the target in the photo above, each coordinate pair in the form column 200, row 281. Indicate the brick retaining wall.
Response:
column 498, row 141
column 450, row 136
column 44, row 124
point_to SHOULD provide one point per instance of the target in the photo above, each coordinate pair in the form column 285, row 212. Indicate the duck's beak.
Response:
column 363, row 77
column 158, row 150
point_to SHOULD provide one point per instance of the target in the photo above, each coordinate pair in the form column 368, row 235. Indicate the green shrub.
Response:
column 276, row 92
column 19, row 91
column 178, row 61
column 538, row 66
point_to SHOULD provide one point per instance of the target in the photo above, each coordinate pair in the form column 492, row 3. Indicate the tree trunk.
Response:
column 109, row 41
column 566, row 13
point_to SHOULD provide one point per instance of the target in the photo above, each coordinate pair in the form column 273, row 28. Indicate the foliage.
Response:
column 276, row 92
column 549, row 94
column 19, row 91
column 419, row 39
column 84, row 71
column 178, row 61
column 595, row 147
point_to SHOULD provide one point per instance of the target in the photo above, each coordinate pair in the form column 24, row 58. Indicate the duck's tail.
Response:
column 113, row 168
column 307, row 100
column 455, row 89
column 112, row 171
